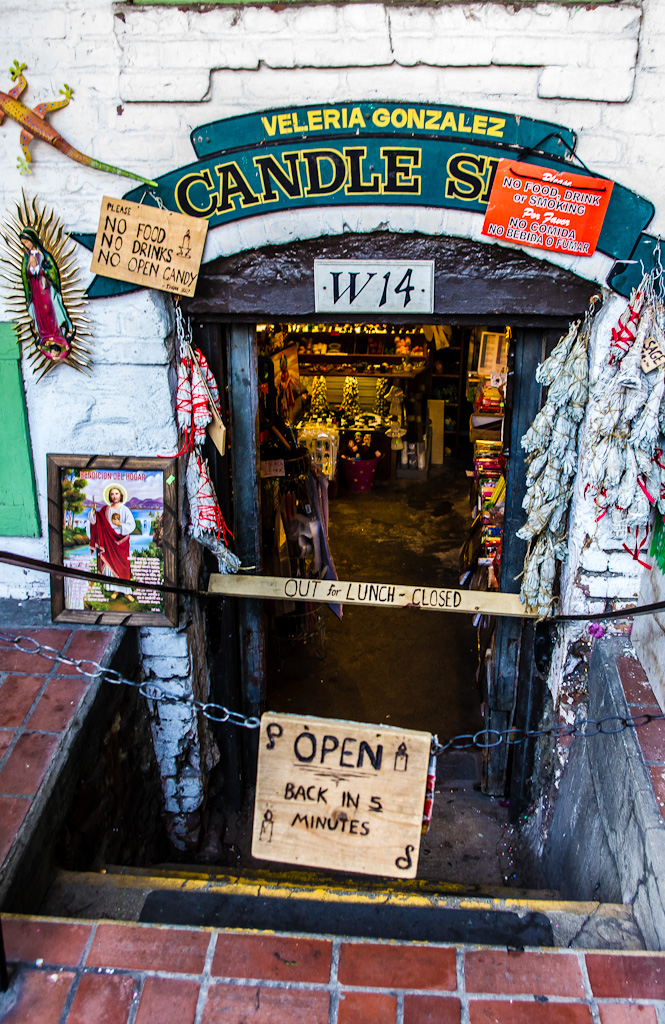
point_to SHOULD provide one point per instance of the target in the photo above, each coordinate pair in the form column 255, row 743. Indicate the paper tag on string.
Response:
column 652, row 355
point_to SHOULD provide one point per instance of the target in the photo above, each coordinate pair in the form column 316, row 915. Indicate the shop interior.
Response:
column 382, row 462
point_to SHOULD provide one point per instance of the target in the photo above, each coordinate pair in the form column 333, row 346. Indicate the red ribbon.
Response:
column 638, row 547
column 603, row 494
column 646, row 493
column 623, row 336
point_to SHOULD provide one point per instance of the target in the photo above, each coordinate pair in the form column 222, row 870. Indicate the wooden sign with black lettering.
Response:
column 340, row 795
column 373, row 595
column 149, row 246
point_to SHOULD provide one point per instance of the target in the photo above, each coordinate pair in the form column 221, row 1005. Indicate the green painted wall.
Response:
column 19, row 516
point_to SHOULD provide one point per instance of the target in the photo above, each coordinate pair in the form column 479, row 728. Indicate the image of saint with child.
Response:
column 109, row 528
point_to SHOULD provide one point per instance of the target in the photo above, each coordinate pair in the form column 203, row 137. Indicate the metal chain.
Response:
column 150, row 689
column 154, row 691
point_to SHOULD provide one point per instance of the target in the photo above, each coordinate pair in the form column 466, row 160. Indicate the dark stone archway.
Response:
column 474, row 282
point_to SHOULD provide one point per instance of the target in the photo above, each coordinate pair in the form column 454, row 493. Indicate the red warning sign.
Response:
column 547, row 209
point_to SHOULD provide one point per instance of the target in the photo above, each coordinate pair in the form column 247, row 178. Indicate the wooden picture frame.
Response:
column 144, row 537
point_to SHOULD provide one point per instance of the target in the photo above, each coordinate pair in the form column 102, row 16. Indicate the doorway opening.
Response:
column 381, row 454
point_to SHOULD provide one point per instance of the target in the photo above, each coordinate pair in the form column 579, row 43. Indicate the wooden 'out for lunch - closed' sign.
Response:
column 340, row 795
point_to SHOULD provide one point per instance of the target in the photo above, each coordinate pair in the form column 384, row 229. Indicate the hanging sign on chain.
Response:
column 340, row 795
column 148, row 245
column 548, row 209
column 374, row 595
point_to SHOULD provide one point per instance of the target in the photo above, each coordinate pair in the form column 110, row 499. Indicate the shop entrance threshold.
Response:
column 375, row 919
column 308, row 903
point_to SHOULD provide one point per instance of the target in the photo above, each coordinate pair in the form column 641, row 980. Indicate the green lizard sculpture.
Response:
column 34, row 126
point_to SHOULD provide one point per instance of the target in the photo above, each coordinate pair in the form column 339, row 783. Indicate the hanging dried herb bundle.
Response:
column 626, row 474
column 551, row 446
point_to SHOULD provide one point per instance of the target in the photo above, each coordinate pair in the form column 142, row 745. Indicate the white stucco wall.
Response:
column 144, row 77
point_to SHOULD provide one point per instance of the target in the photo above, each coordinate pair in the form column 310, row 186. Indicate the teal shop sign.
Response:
column 370, row 153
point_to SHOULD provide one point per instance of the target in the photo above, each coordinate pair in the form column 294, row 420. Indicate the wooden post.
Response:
column 243, row 381
column 222, row 618
column 528, row 350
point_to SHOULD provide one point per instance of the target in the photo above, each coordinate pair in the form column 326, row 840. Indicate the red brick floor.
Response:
column 38, row 700
column 78, row 972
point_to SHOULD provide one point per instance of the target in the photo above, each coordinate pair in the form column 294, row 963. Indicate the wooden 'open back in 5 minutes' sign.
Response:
column 149, row 245
column 335, row 794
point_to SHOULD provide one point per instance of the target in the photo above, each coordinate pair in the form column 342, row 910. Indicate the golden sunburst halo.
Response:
column 61, row 293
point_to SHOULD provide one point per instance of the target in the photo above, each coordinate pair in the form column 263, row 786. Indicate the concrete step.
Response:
column 316, row 906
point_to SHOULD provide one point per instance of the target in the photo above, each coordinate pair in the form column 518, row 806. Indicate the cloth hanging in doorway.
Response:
column 319, row 487
column 196, row 393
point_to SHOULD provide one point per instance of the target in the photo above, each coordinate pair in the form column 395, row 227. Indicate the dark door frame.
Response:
column 474, row 284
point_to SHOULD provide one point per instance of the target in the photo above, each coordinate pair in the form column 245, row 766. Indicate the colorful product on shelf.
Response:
column 323, row 444
column 350, row 397
column 319, row 397
column 488, row 468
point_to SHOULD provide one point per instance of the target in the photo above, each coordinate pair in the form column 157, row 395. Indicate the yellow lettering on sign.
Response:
column 497, row 124
column 314, row 120
column 356, row 118
column 449, row 121
column 270, row 126
column 330, row 118
column 381, row 117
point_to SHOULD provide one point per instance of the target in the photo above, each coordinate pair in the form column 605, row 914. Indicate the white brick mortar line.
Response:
column 205, row 977
column 593, row 1006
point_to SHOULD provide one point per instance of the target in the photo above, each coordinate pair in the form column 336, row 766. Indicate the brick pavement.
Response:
column 38, row 701
column 77, row 972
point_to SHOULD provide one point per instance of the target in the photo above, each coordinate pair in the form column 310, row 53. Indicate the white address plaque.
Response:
column 340, row 795
column 374, row 286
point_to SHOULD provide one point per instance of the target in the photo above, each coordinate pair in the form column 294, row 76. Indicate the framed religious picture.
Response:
column 115, row 517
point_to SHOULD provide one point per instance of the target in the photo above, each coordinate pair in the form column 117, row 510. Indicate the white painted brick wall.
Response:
column 167, row 668
column 594, row 560
column 607, row 84
column 143, row 77
column 165, row 643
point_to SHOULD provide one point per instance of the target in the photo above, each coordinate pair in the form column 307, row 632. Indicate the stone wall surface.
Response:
column 606, row 840
column 648, row 633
